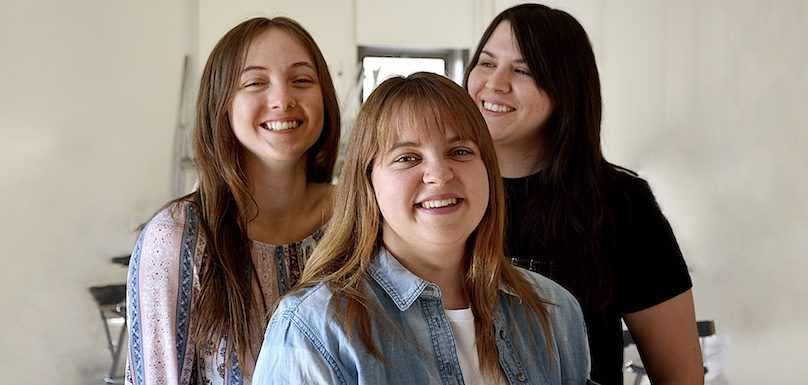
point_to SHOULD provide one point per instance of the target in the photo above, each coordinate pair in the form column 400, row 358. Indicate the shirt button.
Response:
column 521, row 377
column 502, row 333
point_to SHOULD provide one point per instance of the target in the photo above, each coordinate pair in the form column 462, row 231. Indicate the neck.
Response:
column 518, row 161
column 442, row 266
column 281, row 203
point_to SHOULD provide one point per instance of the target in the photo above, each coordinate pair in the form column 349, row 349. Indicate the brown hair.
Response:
column 419, row 101
column 226, row 303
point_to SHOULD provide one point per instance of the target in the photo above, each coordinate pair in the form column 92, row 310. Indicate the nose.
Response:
column 281, row 97
column 437, row 172
column 499, row 80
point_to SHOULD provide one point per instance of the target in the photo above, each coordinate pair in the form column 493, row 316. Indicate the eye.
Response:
column 486, row 64
column 522, row 71
column 405, row 158
column 302, row 81
column 253, row 83
column 462, row 152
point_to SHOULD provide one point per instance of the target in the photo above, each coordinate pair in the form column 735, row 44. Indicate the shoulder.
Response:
column 567, row 328
column 310, row 309
column 628, row 191
column 162, row 278
column 302, row 343
column 301, row 299
column 566, row 319
column 171, row 234
column 305, row 321
column 625, row 180
column 175, row 215
column 550, row 291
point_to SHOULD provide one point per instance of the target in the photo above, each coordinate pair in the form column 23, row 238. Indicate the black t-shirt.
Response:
column 647, row 264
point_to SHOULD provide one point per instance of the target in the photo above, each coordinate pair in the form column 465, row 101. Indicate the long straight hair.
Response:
column 422, row 101
column 570, row 207
column 226, row 304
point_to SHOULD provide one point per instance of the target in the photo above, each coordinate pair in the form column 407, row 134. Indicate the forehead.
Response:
column 276, row 47
column 422, row 121
column 502, row 41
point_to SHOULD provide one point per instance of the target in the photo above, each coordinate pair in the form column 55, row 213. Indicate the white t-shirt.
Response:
column 462, row 324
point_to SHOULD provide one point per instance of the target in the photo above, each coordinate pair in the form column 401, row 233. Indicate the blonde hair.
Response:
column 420, row 101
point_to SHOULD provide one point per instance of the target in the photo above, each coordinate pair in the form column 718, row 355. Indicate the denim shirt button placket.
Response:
column 521, row 376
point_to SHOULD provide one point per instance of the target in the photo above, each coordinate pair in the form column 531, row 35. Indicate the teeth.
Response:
column 281, row 126
column 439, row 203
column 496, row 107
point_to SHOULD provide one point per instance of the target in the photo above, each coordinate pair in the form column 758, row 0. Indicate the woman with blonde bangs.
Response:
column 409, row 283
column 208, row 268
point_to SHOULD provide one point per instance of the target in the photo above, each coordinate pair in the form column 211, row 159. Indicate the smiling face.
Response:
column 277, row 109
column 514, row 107
column 432, row 189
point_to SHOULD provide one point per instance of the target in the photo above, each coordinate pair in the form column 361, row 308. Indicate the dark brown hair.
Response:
column 570, row 208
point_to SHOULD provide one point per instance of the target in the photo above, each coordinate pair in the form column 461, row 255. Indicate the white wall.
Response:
column 88, row 94
column 703, row 98
column 417, row 23
column 735, row 171
column 330, row 22
column 88, row 107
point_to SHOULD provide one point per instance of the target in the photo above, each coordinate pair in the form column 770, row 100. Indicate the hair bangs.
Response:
column 423, row 108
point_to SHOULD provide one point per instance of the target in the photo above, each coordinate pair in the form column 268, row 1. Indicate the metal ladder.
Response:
column 111, row 301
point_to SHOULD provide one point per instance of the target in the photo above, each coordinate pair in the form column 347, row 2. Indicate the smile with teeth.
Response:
column 434, row 204
column 276, row 125
column 496, row 107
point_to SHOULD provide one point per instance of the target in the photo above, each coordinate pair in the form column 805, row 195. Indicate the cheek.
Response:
column 484, row 190
column 241, row 109
column 480, row 180
column 379, row 192
column 474, row 82
column 386, row 197
column 389, row 212
column 317, row 103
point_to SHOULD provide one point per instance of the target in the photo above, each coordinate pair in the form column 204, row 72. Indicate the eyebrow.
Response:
column 253, row 68
column 519, row 60
column 294, row 65
column 402, row 144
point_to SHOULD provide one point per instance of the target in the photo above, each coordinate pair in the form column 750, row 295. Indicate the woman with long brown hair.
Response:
column 590, row 225
column 410, row 283
column 208, row 268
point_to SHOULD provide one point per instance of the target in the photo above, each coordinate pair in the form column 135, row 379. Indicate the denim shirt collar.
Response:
column 402, row 285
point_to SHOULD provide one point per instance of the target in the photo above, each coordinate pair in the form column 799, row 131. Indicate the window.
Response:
column 379, row 64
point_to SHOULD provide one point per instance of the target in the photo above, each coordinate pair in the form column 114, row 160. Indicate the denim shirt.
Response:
column 305, row 344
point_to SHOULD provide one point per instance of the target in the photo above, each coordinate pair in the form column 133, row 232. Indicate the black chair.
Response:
column 111, row 301
column 704, row 328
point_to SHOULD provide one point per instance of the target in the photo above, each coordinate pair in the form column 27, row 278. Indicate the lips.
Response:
column 493, row 107
column 281, row 125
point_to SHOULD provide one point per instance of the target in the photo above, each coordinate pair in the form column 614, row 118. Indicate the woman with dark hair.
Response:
column 410, row 284
column 207, row 269
column 590, row 225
